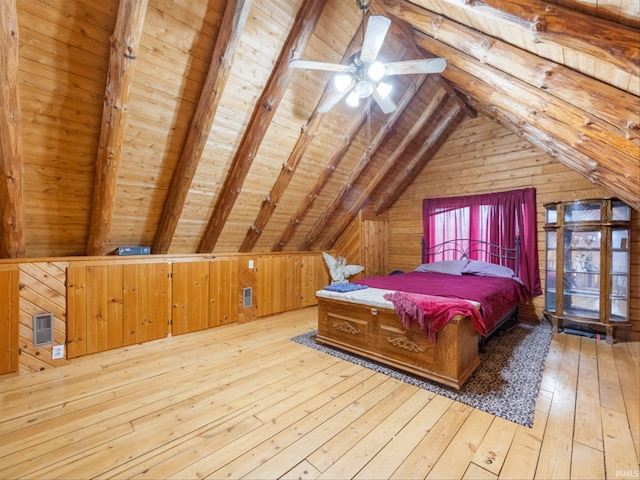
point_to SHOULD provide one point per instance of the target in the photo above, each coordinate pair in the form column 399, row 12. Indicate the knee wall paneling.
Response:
column 9, row 280
column 103, row 303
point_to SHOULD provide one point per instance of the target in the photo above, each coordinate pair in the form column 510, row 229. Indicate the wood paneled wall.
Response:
column 365, row 242
column 101, row 303
column 9, row 280
column 481, row 157
column 42, row 290
column 112, row 305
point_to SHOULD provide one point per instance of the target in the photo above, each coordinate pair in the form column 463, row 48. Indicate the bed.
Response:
column 430, row 322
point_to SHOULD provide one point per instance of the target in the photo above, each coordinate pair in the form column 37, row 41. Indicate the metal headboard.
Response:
column 463, row 248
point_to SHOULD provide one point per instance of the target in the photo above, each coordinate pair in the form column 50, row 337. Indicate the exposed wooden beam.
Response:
column 364, row 162
column 600, row 163
column 591, row 95
column 263, row 113
column 12, row 242
column 288, row 169
column 395, row 158
column 323, row 177
column 562, row 27
column 428, row 149
column 124, row 46
column 595, row 132
column 231, row 27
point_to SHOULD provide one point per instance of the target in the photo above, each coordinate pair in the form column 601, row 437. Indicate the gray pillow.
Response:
column 450, row 267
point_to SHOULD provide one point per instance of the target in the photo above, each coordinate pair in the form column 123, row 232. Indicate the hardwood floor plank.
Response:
column 286, row 458
column 377, row 434
column 330, row 452
column 586, row 462
column 553, row 362
column 630, row 384
column 242, row 399
column 458, row 454
column 302, row 471
column 588, row 426
column 183, row 415
column 149, row 395
column 610, row 389
column 493, row 449
column 343, row 393
column 391, row 393
column 387, row 460
column 522, row 459
column 127, row 395
column 185, row 451
column 474, row 472
column 420, row 461
column 555, row 455
column 621, row 457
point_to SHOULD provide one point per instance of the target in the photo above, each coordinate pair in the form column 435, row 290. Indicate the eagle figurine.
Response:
column 338, row 268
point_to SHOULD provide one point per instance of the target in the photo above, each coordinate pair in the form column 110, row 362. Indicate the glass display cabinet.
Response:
column 587, row 264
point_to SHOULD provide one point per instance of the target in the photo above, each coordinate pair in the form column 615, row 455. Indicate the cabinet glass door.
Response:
column 619, row 275
column 550, row 279
column 582, row 212
column 581, row 283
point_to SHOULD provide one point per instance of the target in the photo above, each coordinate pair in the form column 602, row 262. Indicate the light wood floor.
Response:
column 243, row 401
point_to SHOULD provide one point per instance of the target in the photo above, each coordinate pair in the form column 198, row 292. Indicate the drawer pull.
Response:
column 374, row 311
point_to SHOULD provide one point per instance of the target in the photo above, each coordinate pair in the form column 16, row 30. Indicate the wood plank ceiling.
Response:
column 178, row 123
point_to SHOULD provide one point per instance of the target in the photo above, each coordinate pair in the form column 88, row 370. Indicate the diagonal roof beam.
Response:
column 438, row 99
column 593, row 96
column 12, row 242
column 428, row 149
column 231, row 27
column 124, row 46
column 365, row 161
column 321, row 180
column 622, row 180
column 616, row 155
column 263, row 113
column 288, row 169
column 560, row 26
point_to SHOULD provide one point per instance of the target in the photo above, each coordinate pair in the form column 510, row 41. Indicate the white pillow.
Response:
column 450, row 267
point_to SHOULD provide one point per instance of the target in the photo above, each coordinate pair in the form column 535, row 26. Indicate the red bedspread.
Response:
column 496, row 295
column 431, row 313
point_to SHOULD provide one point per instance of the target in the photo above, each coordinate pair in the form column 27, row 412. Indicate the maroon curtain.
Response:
column 493, row 217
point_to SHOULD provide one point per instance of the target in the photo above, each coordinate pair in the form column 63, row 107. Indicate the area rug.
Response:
column 506, row 383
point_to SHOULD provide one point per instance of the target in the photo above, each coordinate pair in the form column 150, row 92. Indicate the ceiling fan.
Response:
column 362, row 77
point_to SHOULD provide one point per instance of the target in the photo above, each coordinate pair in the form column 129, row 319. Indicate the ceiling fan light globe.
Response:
column 384, row 89
column 363, row 88
column 376, row 71
column 342, row 81
column 353, row 100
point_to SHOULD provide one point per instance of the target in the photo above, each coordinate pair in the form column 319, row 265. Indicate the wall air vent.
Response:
column 42, row 329
column 247, row 295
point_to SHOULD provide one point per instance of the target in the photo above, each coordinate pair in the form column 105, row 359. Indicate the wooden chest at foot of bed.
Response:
column 378, row 334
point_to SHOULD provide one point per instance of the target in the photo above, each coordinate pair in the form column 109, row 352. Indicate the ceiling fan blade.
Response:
column 427, row 65
column 334, row 99
column 330, row 67
column 377, row 28
column 386, row 104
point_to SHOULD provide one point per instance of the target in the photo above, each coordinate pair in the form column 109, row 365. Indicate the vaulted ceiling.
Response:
column 179, row 124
